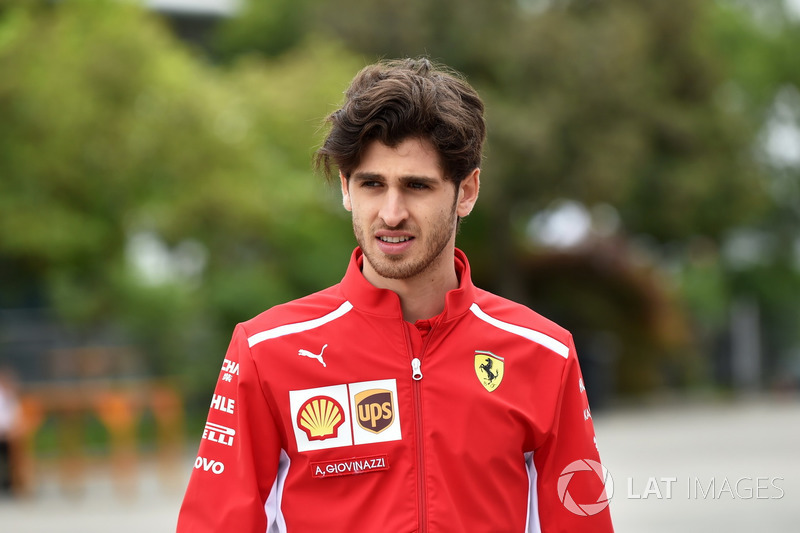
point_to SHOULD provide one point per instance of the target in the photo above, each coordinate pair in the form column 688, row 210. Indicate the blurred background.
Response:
column 641, row 187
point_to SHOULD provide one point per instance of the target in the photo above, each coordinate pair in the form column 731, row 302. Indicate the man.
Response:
column 403, row 398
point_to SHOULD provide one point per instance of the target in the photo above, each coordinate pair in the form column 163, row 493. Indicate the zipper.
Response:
column 416, row 369
column 416, row 375
column 416, row 366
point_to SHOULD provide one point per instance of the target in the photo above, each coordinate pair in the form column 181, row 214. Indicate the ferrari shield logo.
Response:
column 489, row 369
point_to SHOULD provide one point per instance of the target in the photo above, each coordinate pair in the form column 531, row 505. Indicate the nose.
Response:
column 393, row 208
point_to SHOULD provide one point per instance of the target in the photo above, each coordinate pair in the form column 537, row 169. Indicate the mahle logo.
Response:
column 375, row 409
column 598, row 472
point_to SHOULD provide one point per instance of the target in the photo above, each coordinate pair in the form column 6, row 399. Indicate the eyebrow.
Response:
column 369, row 176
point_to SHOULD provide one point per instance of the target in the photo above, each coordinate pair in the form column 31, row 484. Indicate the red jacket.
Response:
column 332, row 413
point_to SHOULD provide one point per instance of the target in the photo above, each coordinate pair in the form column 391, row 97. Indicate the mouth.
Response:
column 394, row 245
column 394, row 240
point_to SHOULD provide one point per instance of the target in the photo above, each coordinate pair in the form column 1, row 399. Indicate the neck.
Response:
column 422, row 296
column 426, row 299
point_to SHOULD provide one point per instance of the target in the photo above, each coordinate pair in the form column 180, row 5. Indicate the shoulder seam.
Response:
column 531, row 334
column 288, row 329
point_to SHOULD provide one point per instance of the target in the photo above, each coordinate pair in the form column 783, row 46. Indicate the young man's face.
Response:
column 404, row 211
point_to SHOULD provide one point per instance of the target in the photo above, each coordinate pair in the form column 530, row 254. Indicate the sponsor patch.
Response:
column 374, row 411
column 349, row 467
column 344, row 415
column 229, row 369
column 320, row 417
column 209, row 465
column 221, row 403
column 220, row 434
column 314, row 418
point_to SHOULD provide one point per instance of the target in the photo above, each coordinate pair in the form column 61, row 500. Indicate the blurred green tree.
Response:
column 141, row 186
column 761, row 261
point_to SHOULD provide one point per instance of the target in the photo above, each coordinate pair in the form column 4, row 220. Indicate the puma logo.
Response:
column 318, row 357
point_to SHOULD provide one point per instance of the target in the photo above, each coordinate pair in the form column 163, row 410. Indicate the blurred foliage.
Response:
column 115, row 138
column 110, row 130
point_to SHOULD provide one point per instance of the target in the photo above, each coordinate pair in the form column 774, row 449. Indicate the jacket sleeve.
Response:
column 571, row 482
column 236, row 468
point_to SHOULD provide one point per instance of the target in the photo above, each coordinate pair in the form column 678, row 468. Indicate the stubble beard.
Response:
column 400, row 266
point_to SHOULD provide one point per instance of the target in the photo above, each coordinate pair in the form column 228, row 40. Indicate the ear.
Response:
column 468, row 193
column 345, row 192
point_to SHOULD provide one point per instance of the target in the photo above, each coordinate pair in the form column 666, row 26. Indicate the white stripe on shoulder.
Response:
column 530, row 334
column 288, row 329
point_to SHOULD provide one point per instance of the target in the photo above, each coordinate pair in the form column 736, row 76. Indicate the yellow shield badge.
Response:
column 489, row 369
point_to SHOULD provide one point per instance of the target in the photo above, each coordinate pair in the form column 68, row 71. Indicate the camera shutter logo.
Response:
column 585, row 509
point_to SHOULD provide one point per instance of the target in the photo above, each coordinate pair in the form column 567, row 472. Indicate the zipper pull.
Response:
column 416, row 366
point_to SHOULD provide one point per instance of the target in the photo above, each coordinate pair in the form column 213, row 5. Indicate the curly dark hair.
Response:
column 393, row 100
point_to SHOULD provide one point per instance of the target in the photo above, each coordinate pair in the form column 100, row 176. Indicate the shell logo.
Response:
column 320, row 417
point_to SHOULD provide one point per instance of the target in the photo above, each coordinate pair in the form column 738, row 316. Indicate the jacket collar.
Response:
column 368, row 298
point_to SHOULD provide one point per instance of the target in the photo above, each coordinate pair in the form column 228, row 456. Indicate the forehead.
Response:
column 411, row 157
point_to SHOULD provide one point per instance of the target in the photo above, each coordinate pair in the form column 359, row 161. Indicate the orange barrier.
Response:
column 119, row 407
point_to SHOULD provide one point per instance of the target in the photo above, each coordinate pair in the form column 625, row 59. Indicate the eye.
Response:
column 371, row 184
column 418, row 186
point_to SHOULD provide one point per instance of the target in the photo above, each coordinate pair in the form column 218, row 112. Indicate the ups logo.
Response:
column 375, row 409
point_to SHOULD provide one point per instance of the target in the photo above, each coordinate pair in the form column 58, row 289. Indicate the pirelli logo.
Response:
column 345, row 415
column 219, row 434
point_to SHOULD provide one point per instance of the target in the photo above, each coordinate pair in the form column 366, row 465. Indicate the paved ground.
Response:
column 735, row 468
column 149, row 504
